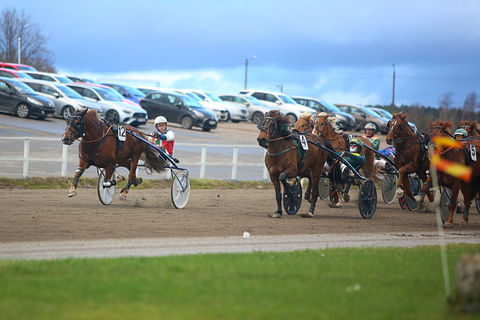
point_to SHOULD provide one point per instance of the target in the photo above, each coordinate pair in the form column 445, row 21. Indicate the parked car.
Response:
column 46, row 76
column 11, row 73
column 256, row 109
column 344, row 120
column 280, row 101
column 114, row 108
column 364, row 115
column 82, row 80
column 387, row 115
column 147, row 89
column 218, row 108
column 16, row 66
column 211, row 101
column 18, row 98
column 179, row 108
column 127, row 92
column 65, row 99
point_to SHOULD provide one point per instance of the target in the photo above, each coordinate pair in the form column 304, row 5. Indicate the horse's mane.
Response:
column 276, row 114
column 306, row 116
column 444, row 125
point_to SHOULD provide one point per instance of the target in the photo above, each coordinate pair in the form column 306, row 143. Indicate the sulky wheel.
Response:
column 180, row 190
column 292, row 197
column 105, row 194
column 389, row 187
column 333, row 195
column 445, row 197
column 415, row 187
column 402, row 202
column 323, row 188
column 367, row 199
column 477, row 203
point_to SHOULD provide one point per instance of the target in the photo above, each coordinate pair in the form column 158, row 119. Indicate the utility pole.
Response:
column 19, row 49
column 246, row 70
column 393, row 87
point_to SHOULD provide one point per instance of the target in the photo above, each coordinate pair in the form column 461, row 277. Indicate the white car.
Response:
column 256, row 109
column 115, row 109
column 47, row 76
column 218, row 107
column 280, row 101
column 65, row 99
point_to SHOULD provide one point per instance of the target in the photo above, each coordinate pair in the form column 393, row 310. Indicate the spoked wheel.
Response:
column 105, row 194
column 445, row 200
column 323, row 188
column 402, row 202
column 292, row 197
column 415, row 187
column 367, row 199
column 180, row 190
column 477, row 203
column 389, row 187
column 333, row 195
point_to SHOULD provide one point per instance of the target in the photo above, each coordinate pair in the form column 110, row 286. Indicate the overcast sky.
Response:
column 341, row 51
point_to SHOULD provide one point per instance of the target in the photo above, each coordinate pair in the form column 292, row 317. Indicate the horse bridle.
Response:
column 77, row 129
column 270, row 126
column 396, row 138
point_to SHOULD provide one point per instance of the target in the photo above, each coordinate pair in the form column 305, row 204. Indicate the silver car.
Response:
column 65, row 99
column 47, row 76
column 256, row 109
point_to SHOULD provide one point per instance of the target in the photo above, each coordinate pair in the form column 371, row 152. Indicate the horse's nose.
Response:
column 262, row 142
column 389, row 141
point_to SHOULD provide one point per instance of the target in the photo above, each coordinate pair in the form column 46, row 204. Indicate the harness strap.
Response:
column 96, row 140
column 281, row 152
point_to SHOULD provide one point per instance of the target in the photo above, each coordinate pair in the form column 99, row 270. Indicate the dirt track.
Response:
column 38, row 215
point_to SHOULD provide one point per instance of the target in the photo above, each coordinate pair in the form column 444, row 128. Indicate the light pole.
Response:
column 246, row 69
column 393, row 87
column 280, row 85
column 19, row 39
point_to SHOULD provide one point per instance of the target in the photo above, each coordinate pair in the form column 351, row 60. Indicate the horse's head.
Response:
column 274, row 125
column 75, row 127
column 439, row 128
column 304, row 123
column 398, row 127
column 471, row 127
column 323, row 124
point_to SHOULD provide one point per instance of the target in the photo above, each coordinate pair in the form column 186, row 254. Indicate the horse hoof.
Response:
column 123, row 197
column 72, row 194
column 399, row 192
column 307, row 215
column 120, row 178
column 464, row 222
column 448, row 225
column 107, row 183
column 276, row 215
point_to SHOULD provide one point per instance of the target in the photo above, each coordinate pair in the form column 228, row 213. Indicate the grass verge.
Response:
column 369, row 283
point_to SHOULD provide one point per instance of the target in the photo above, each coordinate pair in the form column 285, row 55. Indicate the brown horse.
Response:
column 323, row 126
column 100, row 147
column 284, row 160
column 461, row 156
column 471, row 127
column 304, row 124
column 411, row 155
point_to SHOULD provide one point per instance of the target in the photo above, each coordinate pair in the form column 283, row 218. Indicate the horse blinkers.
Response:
column 75, row 128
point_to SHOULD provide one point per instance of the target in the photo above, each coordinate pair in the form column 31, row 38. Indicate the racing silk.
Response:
column 388, row 152
column 355, row 159
column 374, row 141
column 166, row 139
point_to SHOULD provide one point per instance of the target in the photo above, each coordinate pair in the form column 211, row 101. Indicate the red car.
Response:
column 16, row 66
column 10, row 73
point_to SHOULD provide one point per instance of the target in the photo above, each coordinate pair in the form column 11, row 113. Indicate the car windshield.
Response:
column 63, row 79
column 69, row 92
column 384, row 113
column 286, row 99
column 135, row 92
column 329, row 106
column 26, row 68
column 107, row 94
column 23, row 75
column 213, row 97
column 254, row 100
column 22, row 87
column 371, row 113
column 191, row 102
column 193, row 96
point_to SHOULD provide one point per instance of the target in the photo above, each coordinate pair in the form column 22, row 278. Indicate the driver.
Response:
column 356, row 160
column 460, row 134
column 162, row 135
column 370, row 135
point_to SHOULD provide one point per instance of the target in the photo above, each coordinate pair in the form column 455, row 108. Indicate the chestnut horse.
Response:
column 283, row 159
column 322, row 126
column 100, row 147
column 411, row 155
column 471, row 127
column 461, row 156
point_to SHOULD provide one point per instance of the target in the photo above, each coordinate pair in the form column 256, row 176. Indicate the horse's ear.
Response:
column 405, row 115
column 448, row 124
column 82, row 113
column 431, row 123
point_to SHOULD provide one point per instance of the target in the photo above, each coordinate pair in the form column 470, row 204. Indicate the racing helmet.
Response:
column 461, row 132
column 160, row 119
column 371, row 125
column 357, row 142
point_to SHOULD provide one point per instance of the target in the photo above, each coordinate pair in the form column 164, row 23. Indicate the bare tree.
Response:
column 445, row 104
column 34, row 50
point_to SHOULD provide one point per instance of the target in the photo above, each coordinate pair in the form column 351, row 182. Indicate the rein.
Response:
column 96, row 140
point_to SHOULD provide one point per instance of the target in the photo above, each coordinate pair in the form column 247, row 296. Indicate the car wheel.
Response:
column 228, row 116
column 258, row 118
column 206, row 129
column 186, row 122
column 292, row 118
column 67, row 112
column 23, row 111
column 342, row 125
column 112, row 117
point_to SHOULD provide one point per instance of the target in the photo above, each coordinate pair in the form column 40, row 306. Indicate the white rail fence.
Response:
column 203, row 163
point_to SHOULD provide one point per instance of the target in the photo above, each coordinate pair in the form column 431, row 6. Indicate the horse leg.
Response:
column 132, row 177
column 309, row 190
column 78, row 173
column 403, row 184
column 278, row 196
column 453, row 203
column 467, row 201
column 315, row 180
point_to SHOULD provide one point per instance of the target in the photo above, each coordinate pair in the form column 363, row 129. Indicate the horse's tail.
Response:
column 369, row 167
column 153, row 161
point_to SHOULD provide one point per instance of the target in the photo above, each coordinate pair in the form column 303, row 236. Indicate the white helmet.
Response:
column 160, row 119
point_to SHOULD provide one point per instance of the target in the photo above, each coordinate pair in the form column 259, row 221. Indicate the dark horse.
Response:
column 284, row 160
column 461, row 156
column 100, row 147
column 411, row 155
